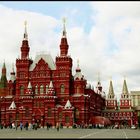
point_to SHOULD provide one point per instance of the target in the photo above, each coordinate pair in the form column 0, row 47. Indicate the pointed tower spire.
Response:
column 125, row 89
column 99, row 78
column 78, row 74
column 3, row 82
column 111, row 90
column 29, row 88
column 25, row 47
column 51, row 84
column 29, row 85
column 51, row 89
column 13, row 105
column 64, row 28
column 68, row 105
column 13, row 77
column 78, row 67
column 64, row 45
column 99, row 87
column 25, row 33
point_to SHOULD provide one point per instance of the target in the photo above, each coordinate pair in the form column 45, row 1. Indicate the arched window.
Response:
column 36, row 89
column 77, row 89
column 47, row 87
column 41, row 89
column 26, row 111
column 49, row 112
column 62, row 88
column 17, row 115
column 67, row 119
column 77, row 113
column 21, row 90
column 60, row 116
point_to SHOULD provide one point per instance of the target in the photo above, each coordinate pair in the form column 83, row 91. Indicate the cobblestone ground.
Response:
column 70, row 133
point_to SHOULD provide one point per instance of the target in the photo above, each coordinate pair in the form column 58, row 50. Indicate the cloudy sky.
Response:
column 104, row 36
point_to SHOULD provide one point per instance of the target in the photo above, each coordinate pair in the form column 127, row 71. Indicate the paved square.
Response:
column 70, row 133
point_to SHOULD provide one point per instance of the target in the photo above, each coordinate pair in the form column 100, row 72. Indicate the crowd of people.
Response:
column 28, row 125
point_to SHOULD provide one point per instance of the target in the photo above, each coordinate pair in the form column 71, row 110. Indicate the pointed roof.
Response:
column 111, row 90
column 68, row 105
column 51, row 90
column 13, row 68
column 25, row 32
column 47, row 58
column 64, row 28
column 13, row 105
column 51, row 84
column 13, row 77
column 78, row 72
column 99, row 81
column 29, row 85
column 125, row 89
column 78, row 68
column 3, row 82
column 64, row 44
column 4, row 67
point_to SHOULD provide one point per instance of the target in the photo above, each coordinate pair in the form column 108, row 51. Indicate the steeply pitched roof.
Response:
column 47, row 58
column 13, row 105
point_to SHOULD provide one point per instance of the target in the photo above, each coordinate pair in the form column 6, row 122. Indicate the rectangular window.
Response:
column 67, row 119
column 26, row 111
column 49, row 112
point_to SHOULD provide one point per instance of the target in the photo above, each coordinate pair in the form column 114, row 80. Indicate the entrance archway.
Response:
column 124, row 124
column 38, row 117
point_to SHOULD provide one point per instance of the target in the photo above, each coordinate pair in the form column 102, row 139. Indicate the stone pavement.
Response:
column 70, row 133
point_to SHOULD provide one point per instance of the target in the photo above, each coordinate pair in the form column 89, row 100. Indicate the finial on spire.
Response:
column 77, row 63
column 124, row 77
column 4, row 64
column 98, row 76
column 12, row 67
column 25, row 33
column 64, row 28
column 110, row 78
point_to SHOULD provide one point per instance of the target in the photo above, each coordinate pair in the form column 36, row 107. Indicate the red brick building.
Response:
column 42, row 90
column 120, row 112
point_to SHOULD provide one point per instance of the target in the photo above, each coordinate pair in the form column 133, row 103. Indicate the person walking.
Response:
column 21, row 126
column 26, row 125
column 16, row 125
column 57, row 126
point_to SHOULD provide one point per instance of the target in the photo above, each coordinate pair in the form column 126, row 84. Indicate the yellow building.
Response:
column 135, row 100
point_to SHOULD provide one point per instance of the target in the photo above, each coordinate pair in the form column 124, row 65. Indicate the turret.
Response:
column 13, row 77
column 111, row 101
column 29, row 88
column 111, row 91
column 64, row 45
column 78, row 74
column 79, row 81
column 51, row 89
column 99, row 86
column 125, row 89
column 3, row 82
column 25, row 47
column 125, row 101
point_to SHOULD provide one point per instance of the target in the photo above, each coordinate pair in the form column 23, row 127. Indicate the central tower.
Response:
column 64, row 67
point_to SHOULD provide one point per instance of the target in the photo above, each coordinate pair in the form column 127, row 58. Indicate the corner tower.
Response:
column 22, row 66
column 63, row 67
column 111, row 101
column 125, row 100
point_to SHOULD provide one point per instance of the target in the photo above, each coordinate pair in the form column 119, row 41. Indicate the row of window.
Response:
column 43, row 74
column 40, row 90
column 67, row 118
column 117, row 114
